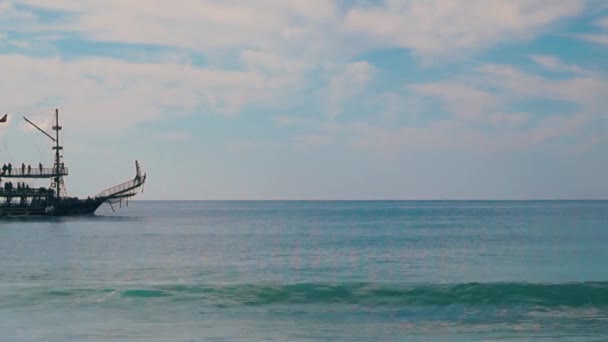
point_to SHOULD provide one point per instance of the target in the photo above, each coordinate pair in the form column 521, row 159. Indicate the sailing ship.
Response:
column 23, row 200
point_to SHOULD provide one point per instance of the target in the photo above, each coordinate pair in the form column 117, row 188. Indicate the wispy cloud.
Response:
column 594, row 38
column 479, row 119
column 465, row 102
column 347, row 83
column 586, row 91
column 314, row 29
column 114, row 94
column 553, row 63
column 597, row 38
column 201, row 25
column 278, row 46
column 443, row 28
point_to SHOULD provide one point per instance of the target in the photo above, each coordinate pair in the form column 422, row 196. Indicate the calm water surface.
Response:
column 309, row 271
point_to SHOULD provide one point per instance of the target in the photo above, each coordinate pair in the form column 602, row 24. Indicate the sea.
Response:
column 309, row 271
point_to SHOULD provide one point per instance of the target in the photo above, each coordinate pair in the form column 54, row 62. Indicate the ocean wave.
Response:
column 588, row 294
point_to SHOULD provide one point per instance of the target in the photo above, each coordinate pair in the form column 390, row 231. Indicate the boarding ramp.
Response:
column 126, row 189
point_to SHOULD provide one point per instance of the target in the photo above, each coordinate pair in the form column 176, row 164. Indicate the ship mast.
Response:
column 58, row 180
column 57, row 171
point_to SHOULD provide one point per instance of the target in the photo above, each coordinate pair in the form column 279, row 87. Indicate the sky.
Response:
column 313, row 99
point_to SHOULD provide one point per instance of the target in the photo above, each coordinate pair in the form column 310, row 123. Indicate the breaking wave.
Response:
column 593, row 294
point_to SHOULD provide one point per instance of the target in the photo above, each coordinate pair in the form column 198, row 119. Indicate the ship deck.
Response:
column 45, row 172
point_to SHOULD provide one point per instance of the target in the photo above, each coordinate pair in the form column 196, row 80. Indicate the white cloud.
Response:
column 200, row 25
column 279, row 42
column 594, row 38
column 271, row 65
column 111, row 94
column 279, row 45
column 465, row 102
column 479, row 106
column 314, row 29
column 437, row 27
column 586, row 90
column 348, row 83
column 553, row 63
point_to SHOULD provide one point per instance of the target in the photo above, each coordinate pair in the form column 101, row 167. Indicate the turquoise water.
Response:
column 310, row 271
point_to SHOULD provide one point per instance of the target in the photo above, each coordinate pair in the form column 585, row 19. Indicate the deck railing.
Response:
column 25, row 192
column 46, row 172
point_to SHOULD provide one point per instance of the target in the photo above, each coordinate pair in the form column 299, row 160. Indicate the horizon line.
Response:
column 373, row 200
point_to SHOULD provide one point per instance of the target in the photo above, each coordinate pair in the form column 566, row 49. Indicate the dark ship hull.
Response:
column 59, row 207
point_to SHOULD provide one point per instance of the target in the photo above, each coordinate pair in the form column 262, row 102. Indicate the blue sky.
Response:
column 314, row 99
